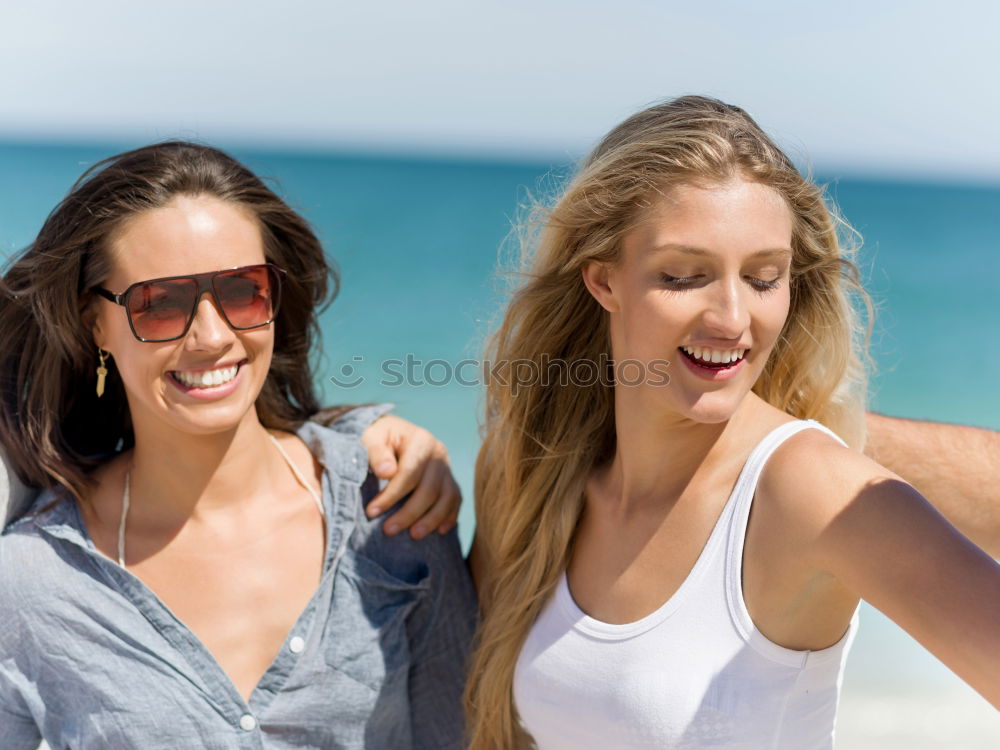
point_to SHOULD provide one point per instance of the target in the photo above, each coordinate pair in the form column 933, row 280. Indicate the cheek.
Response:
column 141, row 364
column 260, row 347
column 654, row 321
column 771, row 316
column 261, row 353
column 263, row 343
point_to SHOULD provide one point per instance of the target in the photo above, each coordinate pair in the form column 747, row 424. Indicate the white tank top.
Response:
column 695, row 673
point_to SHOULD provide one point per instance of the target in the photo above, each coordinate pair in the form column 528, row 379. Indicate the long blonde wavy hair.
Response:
column 541, row 442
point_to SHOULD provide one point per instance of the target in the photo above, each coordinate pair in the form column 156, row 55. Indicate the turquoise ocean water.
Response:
column 417, row 244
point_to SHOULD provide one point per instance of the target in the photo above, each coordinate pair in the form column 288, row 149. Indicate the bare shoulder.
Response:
column 883, row 541
column 811, row 465
column 301, row 456
column 811, row 480
column 850, row 516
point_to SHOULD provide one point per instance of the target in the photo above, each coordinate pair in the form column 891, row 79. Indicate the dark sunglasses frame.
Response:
column 206, row 283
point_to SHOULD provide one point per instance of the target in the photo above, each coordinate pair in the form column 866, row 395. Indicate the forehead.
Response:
column 190, row 234
column 733, row 219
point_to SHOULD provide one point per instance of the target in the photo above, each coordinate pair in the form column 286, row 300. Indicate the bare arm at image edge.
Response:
column 956, row 468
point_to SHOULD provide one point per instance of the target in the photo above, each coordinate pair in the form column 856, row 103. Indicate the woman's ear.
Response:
column 92, row 322
column 596, row 277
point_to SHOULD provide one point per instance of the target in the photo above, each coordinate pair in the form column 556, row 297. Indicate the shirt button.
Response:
column 354, row 460
column 248, row 723
column 296, row 645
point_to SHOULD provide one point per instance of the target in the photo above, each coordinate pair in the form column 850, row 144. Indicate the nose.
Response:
column 208, row 330
column 726, row 314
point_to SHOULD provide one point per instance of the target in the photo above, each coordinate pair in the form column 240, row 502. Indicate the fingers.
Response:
column 413, row 463
column 441, row 514
column 422, row 501
column 451, row 519
column 380, row 439
column 382, row 459
column 451, row 490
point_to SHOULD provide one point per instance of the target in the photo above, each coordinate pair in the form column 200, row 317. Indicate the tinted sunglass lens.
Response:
column 248, row 296
column 160, row 310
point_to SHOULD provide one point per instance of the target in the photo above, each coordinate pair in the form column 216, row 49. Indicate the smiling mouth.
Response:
column 713, row 359
column 207, row 378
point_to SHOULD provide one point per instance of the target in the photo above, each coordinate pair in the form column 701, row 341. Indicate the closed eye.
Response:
column 687, row 282
column 762, row 285
column 678, row 282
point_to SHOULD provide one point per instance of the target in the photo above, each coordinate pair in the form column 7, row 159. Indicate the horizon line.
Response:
column 819, row 168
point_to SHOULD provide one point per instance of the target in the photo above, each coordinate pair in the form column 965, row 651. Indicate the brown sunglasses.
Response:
column 162, row 309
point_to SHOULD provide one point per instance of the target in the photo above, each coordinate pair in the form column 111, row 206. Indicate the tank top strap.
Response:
column 746, row 485
column 744, row 492
column 298, row 475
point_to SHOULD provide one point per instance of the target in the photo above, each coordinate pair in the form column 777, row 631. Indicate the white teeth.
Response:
column 715, row 356
column 207, row 379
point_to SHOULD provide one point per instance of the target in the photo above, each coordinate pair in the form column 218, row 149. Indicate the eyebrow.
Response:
column 688, row 250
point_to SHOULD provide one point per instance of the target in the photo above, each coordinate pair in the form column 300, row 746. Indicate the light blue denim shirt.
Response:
column 91, row 658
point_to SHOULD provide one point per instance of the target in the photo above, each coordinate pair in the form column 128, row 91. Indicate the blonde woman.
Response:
column 675, row 521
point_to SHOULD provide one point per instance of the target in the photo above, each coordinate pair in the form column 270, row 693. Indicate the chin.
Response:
column 210, row 422
column 713, row 408
column 205, row 418
column 713, row 416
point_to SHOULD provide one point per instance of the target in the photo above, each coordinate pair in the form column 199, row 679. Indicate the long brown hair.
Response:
column 52, row 425
column 541, row 442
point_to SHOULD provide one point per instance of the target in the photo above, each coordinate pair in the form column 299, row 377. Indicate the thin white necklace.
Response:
column 295, row 470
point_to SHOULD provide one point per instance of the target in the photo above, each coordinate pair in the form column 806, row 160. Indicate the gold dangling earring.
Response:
column 102, row 371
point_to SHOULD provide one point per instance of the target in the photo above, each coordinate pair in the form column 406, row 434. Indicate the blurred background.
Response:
column 409, row 134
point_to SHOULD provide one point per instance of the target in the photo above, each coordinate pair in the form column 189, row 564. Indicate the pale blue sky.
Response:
column 892, row 87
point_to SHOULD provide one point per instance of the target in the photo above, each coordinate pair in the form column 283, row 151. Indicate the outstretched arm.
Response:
column 956, row 468
column 883, row 542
